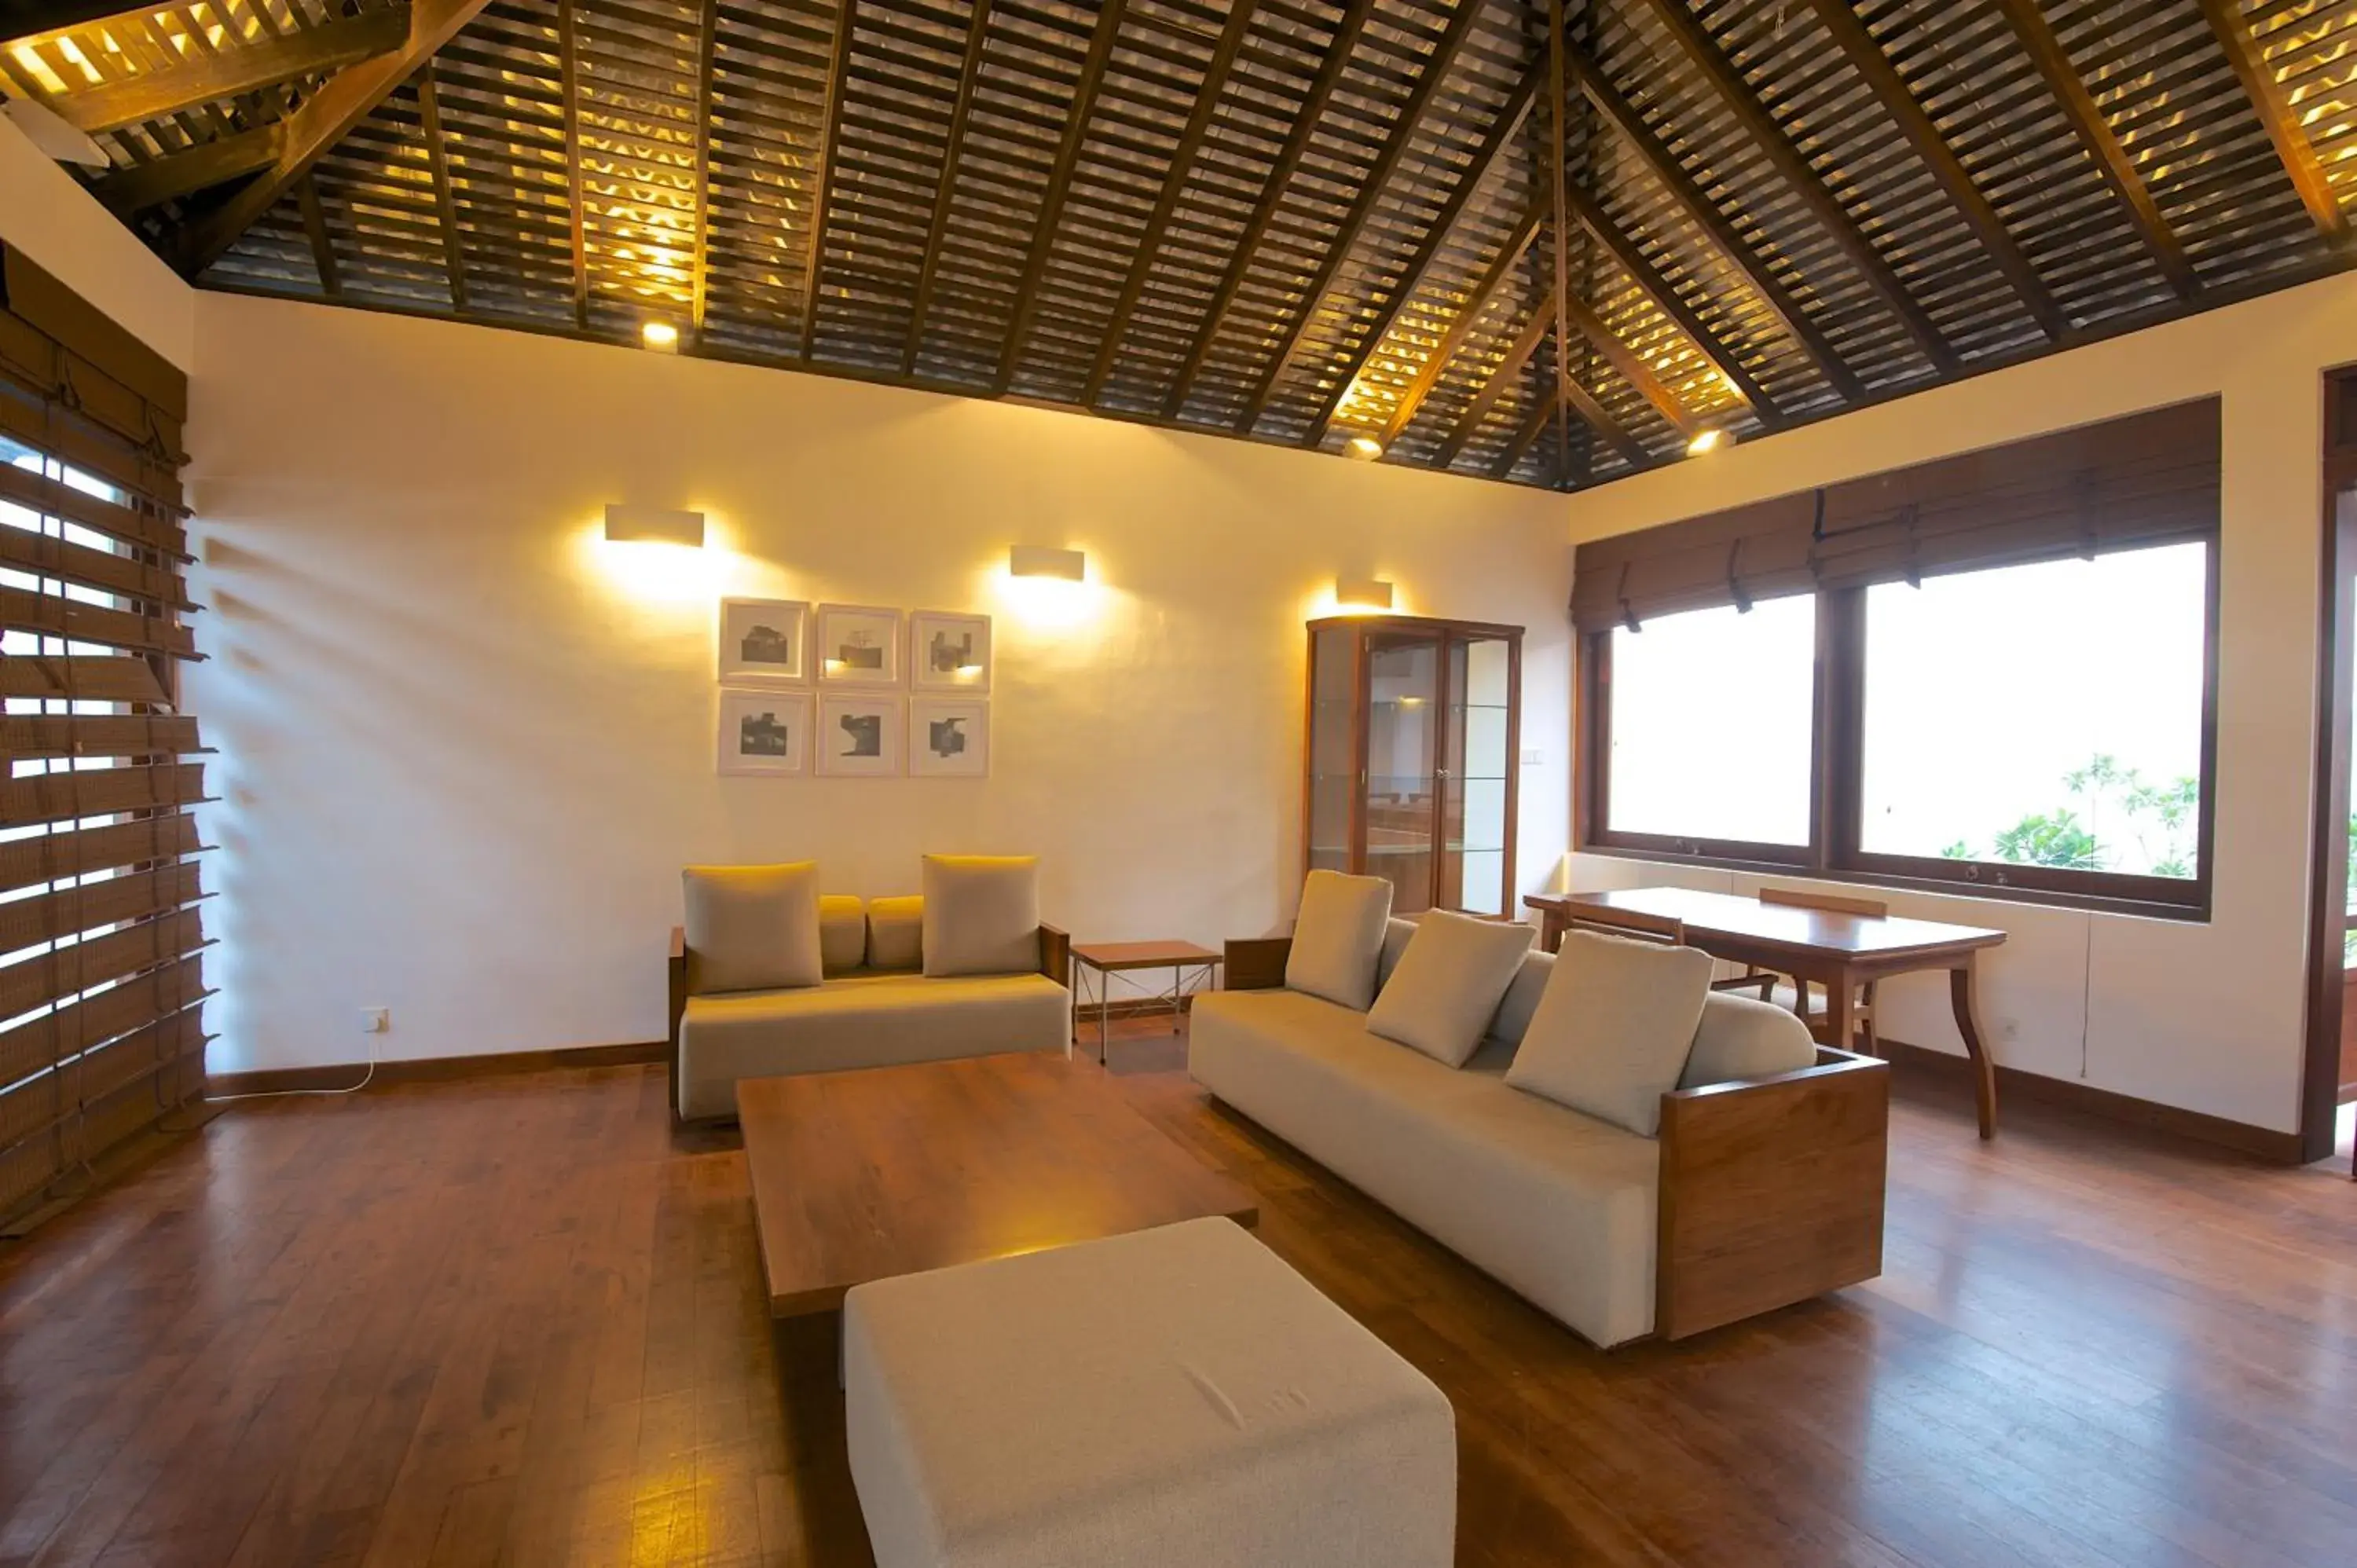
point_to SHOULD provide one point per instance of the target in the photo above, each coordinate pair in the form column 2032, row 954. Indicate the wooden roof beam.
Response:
column 315, row 228
column 1427, row 375
column 2095, row 133
column 699, row 274
column 1558, row 178
column 568, row 47
column 1760, row 128
column 1280, row 175
column 1182, row 162
column 200, row 167
column 242, row 67
column 1501, row 135
column 977, row 34
column 445, row 205
column 2292, row 149
column 347, row 98
column 1508, row 370
column 823, row 201
column 1060, row 184
column 1535, row 424
column 1704, row 213
column 1851, row 36
column 1429, row 82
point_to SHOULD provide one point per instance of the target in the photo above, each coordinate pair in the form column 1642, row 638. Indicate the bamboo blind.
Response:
column 101, row 969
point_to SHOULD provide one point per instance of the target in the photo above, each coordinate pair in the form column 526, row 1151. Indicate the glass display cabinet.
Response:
column 1414, row 727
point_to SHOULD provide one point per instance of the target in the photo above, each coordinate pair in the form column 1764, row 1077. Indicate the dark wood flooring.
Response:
column 520, row 1321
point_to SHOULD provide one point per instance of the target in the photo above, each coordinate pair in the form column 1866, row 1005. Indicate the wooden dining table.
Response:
column 1838, row 950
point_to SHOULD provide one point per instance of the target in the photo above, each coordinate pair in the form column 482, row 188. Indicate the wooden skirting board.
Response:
column 431, row 1069
column 2018, row 1086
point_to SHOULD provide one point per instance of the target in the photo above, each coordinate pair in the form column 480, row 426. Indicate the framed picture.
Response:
column 764, row 731
column 858, row 645
column 764, row 642
column 948, row 652
column 859, row 737
column 948, row 738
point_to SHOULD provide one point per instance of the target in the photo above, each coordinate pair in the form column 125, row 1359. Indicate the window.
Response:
column 1699, row 753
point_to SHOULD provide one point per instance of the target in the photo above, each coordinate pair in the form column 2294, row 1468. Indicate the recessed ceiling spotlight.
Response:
column 1366, row 448
column 1706, row 442
column 660, row 335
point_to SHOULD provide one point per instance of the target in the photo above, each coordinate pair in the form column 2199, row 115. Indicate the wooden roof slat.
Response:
column 2293, row 149
column 831, row 113
column 1501, row 377
column 227, row 73
column 1436, row 364
column 977, row 38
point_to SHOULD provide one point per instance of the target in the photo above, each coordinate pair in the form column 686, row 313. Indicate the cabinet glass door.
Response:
column 1333, row 751
column 1473, row 871
column 1404, row 764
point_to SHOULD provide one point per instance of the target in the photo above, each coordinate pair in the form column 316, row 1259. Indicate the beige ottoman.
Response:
column 1174, row 1397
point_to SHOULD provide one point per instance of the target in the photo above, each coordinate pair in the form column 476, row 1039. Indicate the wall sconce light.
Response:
column 1363, row 593
column 660, row 335
column 653, row 525
column 1042, row 561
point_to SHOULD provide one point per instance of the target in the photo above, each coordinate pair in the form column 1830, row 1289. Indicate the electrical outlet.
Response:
column 375, row 1020
column 1532, row 757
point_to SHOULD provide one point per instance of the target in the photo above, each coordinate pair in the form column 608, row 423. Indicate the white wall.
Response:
column 45, row 213
column 462, row 759
column 2205, row 1016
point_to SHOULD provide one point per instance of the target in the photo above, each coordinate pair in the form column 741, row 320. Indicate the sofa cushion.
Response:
column 1613, row 1032
column 857, row 1021
column 1338, row 938
column 982, row 914
column 841, row 932
column 896, row 932
column 752, row 927
column 1742, row 1037
column 1398, row 931
column 1447, row 985
column 1558, row 1205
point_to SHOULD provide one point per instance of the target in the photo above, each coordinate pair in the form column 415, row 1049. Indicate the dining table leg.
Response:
column 1841, row 1020
column 1961, row 989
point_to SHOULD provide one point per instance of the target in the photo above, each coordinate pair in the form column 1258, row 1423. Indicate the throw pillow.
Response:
column 1449, row 983
column 1612, row 1033
column 982, row 914
column 753, row 927
column 841, row 932
column 1338, row 938
column 896, row 932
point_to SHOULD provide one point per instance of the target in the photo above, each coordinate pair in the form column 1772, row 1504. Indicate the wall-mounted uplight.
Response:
column 1706, row 442
column 1365, row 448
column 660, row 335
column 1363, row 594
column 1044, row 561
column 653, row 525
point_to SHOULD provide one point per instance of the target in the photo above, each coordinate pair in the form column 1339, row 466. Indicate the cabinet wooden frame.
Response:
column 1837, row 767
column 1450, row 638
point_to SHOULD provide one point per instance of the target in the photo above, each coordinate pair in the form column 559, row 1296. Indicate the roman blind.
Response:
column 100, row 967
column 2149, row 479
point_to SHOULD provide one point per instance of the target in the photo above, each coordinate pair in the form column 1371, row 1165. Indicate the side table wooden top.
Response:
column 1142, row 955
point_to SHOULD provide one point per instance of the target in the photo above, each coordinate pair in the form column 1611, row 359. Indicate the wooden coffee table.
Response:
column 863, row 1175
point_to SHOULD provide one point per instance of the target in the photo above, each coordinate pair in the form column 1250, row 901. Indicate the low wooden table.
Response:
column 886, row 1171
column 1109, row 958
column 1838, row 950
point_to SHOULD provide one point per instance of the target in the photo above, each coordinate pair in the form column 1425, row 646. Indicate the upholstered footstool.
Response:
column 1176, row 1397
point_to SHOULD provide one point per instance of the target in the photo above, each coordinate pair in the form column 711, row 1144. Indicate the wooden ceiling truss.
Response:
column 1544, row 240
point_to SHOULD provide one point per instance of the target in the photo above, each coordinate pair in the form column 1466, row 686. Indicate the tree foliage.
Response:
column 2113, row 812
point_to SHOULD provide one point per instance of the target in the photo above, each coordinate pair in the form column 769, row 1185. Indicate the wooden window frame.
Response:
column 1837, row 762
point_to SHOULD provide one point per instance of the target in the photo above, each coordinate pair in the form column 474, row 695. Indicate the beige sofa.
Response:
column 861, row 1015
column 1765, row 1187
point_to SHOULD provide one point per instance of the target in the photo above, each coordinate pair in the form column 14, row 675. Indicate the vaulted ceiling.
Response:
column 1549, row 241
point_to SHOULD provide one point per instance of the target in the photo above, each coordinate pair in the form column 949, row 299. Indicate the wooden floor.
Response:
column 518, row 1321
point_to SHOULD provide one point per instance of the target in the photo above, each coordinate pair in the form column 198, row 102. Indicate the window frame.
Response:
column 1836, row 760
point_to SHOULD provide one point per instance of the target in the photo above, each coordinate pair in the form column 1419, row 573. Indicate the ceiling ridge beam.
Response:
column 446, row 204
column 1288, row 158
column 1182, row 162
column 2103, row 146
column 1789, row 162
column 1865, row 56
column 1714, row 224
column 568, row 47
column 192, row 169
column 977, row 37
column 1501, row 134
column 2293, row 149
column 1060, row 181
column 1428, row 373
column 346, row 100
column 838, row 70
column 244, row 68
column 1501, row 377
column 1428, row 83
column 699, row 275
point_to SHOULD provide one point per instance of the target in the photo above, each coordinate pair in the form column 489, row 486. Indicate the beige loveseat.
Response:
column 876, row 1007
column 1765, row 1187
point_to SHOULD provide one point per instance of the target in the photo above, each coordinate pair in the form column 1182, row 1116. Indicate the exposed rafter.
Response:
column 200, row 167
column 977, row 38
column 1477, row 300
column 846, row 18
column 1559, row 183
column 437, row 157
column 226, row 74
column 2104, row 146
column 1711, row 62
column 699, row 275
column 2292, row 149
column 1543, row 413
column 315, row 230
column 568, row 44
column 1503, row 375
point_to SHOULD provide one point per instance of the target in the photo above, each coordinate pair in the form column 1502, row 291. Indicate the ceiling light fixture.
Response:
column 661, row 335
column 1706, row 442
column 1366, row 448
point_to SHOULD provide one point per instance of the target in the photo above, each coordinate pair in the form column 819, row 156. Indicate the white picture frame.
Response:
column 949, row 737
column 764, row 642
column 858, row 735
column 857, row 645
column 949, row 652
column 764, row 731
